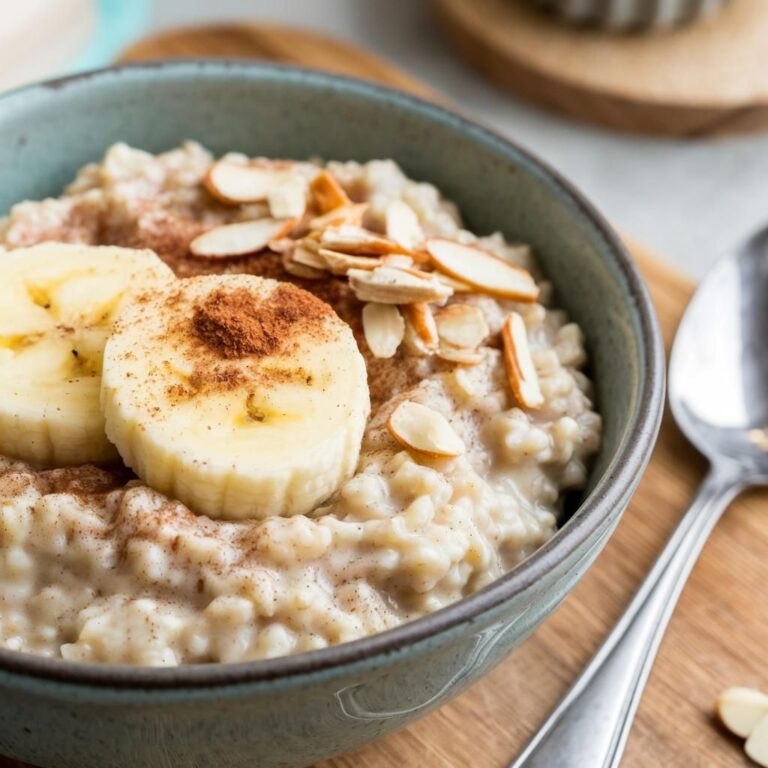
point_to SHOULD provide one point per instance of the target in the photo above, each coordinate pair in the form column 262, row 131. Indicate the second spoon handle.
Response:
column 590, row 725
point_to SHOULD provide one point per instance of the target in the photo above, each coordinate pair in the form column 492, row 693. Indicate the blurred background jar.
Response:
column 626, row 15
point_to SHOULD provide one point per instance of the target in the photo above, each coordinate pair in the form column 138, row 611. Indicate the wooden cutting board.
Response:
column 719, row 634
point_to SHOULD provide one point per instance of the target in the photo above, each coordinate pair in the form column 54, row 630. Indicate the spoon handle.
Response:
column 590, row 725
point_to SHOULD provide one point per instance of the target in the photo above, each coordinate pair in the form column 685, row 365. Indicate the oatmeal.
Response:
column 467, row 412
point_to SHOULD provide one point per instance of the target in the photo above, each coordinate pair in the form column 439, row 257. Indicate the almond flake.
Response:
column 424, row 431
column 399, row 260
column 521, row 372
column 757, row 743
column 419, row 315
column 242, row 239
column 341, row 263
column 308, row 256
column 301, row 270
column 388, row 285
column 327, row 193
column 384, row 327
column 457, row 285
column 460, row 356
column 462, row 326
column 402, row 225
column 484, row 271
column 346, row 214
column 358, row 241
column 287, row 199
column 236, row 183
column 740, row 709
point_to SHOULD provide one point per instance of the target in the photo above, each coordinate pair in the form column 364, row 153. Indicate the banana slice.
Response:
column 242, row 397
column 57, row 303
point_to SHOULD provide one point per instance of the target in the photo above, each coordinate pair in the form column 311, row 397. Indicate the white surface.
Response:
column 690, row 201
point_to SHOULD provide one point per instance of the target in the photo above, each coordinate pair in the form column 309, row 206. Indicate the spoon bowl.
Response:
column 718, row 373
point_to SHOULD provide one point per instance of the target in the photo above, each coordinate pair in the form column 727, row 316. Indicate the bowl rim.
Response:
column 597, row 510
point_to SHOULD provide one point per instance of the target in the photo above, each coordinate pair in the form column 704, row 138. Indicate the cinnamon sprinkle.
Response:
column 234, row 324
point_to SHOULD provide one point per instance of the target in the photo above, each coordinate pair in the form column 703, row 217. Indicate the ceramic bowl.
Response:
column 623, row 15
column 295, row 710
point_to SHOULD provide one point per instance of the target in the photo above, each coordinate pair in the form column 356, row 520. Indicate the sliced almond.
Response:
column 462, row 326
column 423, row 430
column 309, row 257
column 384, row 327
column 327, row 193
column 402, row 225
column 301, row 270
column 482, row 270
column 521, row 372
column 388, row 285
column 420, row 316
column 459, row 356
column 346, row 214
column 341, row 263
column 399, row 260
column 357, row 241
column 236, row 183
column 287, row 199
column 457, row 285
column 757, row 743
column 740, row 709
column 232, row 240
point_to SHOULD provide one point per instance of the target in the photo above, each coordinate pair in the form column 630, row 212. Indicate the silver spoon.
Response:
column 718, row 390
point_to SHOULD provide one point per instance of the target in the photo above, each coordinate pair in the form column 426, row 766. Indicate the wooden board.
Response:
column 703, row 79
column 718, row 635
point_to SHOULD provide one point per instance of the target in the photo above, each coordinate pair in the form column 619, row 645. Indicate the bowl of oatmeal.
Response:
column 315, row 400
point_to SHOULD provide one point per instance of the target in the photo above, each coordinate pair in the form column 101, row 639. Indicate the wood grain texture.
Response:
column 708, row 78
column 718, row 636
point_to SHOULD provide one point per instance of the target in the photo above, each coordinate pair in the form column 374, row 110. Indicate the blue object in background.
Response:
column 118, row 22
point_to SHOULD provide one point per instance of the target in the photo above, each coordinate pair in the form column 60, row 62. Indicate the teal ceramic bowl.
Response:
column 292, row 711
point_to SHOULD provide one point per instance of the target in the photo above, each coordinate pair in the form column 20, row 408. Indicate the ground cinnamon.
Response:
column 235, row 323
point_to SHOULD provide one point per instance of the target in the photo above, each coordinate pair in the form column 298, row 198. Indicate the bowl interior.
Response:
column 48, row 132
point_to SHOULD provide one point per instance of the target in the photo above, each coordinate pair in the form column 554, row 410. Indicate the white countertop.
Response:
column 689, row 201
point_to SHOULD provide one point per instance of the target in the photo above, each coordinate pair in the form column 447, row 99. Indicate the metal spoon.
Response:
column 718, row 390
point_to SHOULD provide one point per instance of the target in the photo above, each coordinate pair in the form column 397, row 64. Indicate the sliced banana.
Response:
column 241, row 397
column 57, row 304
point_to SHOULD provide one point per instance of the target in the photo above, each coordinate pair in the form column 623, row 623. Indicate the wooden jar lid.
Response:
column 707, row 78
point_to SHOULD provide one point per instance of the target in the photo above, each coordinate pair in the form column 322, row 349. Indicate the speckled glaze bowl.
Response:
column 292, row 711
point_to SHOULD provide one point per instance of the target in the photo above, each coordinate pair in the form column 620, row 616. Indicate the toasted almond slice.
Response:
column 346, row 214
column 423, row 430
column 301, row 270
column 420, row 316
column 740, row 709
column 384, row 327
column 482, row 270
column 521, row 372
column 341, row 263
column 402, row 225
column 757, row 743
column 460, row 356
column 309, row 257
column 358, row 241
column 236, row 183
column 287, row 199
column 457, row 285
column 282, row 244
column 387, row 285
column 327, row 193
column 462, row 326
column 232, row 240
column 399, row 260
